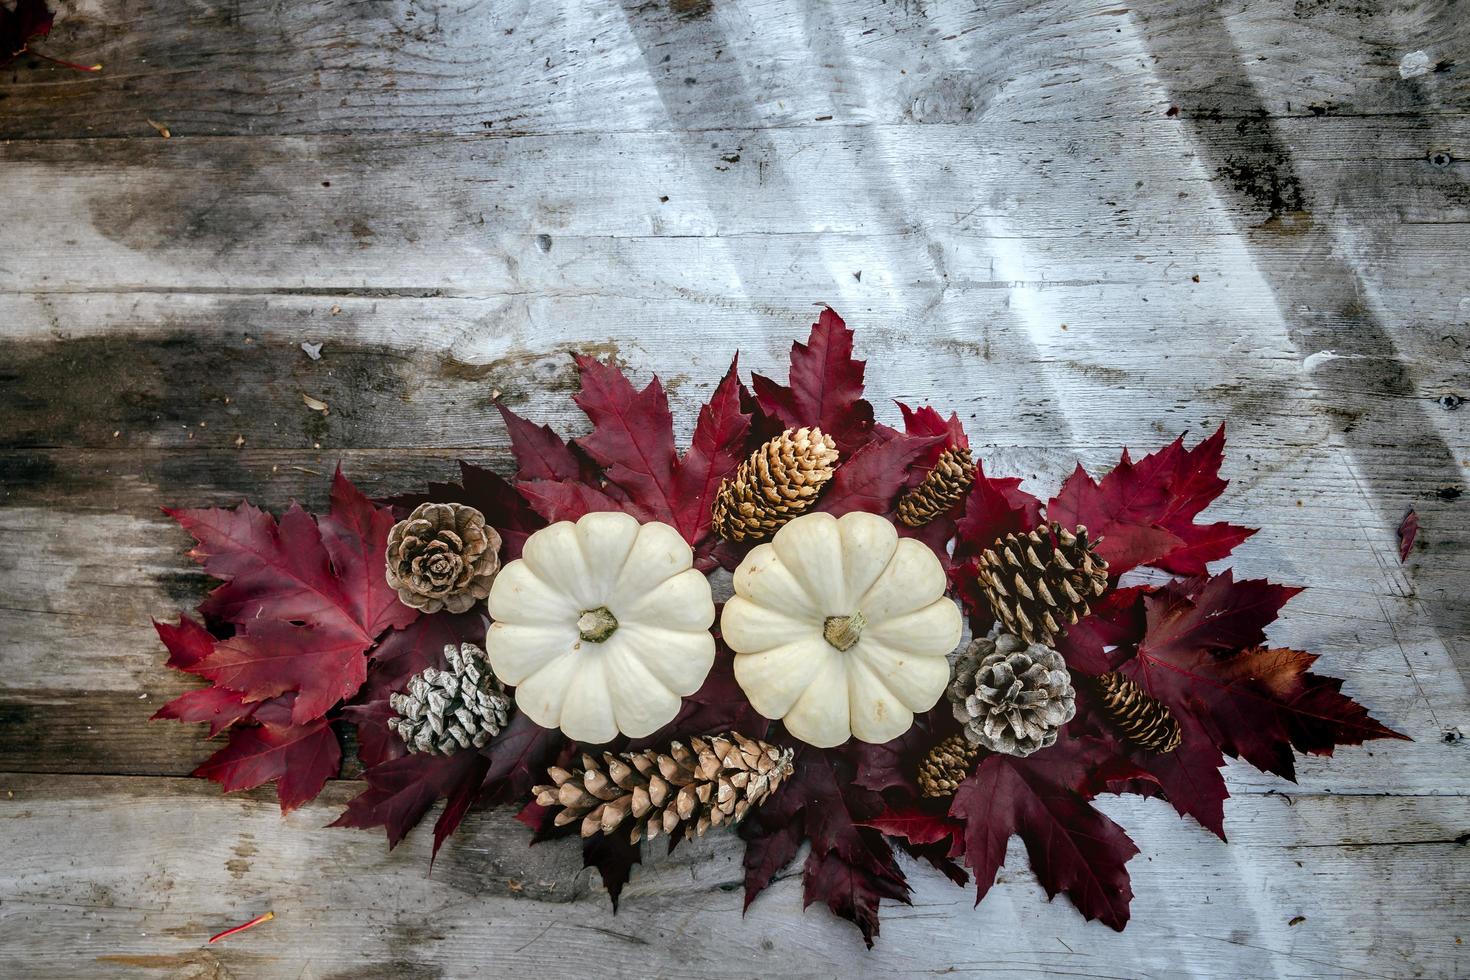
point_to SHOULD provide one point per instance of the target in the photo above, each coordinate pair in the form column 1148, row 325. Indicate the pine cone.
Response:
column 779, row 481
column 448, row 710
column 443, row 557
column 1010, row 696
column 1037, row 584
column 1146, row 721
column 711, row 782
column 946, row 766
column 943, row 487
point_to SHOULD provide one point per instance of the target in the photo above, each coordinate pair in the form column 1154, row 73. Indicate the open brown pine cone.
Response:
column 444, row 556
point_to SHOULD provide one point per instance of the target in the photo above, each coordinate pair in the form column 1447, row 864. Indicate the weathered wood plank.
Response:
column 1285, row 897
column 255, row 67
column 467, row 214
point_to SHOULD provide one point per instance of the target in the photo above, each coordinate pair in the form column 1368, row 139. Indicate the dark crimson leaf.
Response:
column 918, row 825
column 938, row 856
column 322, row 665
column 301, row 758
column 217, row 706
column 492, row 495
column 850, row 866
column 519, row 756
column 187, row 643
column 892, row 765
column 400, row 791
column 1217, row 615
column 567, row 501
column 718, row 447
column 307, row 598
column 1043, row 799
column 302, row 570
column 1144, row 513
column 871, row 478
column 1101, row 640
column 402, row 654
column 613, row 857
column 632, row 437
column 994, row 508
column 29, row 20
column 852, row 891
column 1408, row 531
column 767, row 851
column 925, row 421
column 540, row 453
column 826, row 387
column 1201, row 657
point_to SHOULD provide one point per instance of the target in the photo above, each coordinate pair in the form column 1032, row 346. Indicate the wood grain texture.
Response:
column 1082, row 225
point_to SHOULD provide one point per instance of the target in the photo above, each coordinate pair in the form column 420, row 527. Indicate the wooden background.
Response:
column 1082, row 224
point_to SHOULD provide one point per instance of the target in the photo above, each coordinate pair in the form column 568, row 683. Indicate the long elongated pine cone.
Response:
column 946, row 766
column 1146, row 721
column 710, row 782
column 942, row 487
column 779, row 481
column 1040, row 583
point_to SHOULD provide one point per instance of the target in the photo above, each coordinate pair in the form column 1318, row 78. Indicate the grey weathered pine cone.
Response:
column 444, row 556
column 444, row 711
column 946, row 766
column 942, row 488
column 1144, row 720
column 711, row 782
column 779, row 481
column 1037, row 584
column 1011, row 696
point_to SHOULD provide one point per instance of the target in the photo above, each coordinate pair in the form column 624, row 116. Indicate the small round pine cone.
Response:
column 444, row 556
column 1011, row 696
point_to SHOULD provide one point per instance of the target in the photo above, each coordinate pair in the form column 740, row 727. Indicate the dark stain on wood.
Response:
column 190, row 389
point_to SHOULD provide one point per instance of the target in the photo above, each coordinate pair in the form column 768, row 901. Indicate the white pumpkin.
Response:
column 841, row 629
column 602, row 626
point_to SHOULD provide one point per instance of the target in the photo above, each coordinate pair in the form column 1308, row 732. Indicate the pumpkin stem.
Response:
column 597, row 625
column 843, row 631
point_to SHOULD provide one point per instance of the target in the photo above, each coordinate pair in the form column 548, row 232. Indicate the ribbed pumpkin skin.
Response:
column 818, row 567
column 660, row 651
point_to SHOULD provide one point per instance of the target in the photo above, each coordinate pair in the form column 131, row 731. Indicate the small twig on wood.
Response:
column 266, row 917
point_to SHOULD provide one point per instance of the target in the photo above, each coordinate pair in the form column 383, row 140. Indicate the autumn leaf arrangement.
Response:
column 550, row 642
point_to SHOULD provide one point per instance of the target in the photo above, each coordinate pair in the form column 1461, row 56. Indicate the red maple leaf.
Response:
column 307, row 598
column 1045, row 800
column 400, row 791
column 826, row 387
column 300, row 758
column 632, row 441
column 1144, row 513
column 870, row 479
column 1202, row 655
column 850, row 866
